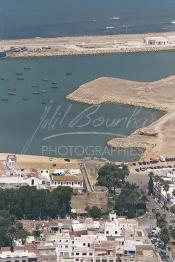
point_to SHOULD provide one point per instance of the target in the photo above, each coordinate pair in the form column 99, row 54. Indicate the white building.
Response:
column 64, row 246
column 69, row 178
column 84, row 248
column 129, row 248
column 20, row 181
column 156, row 40
column 113, row 229
column 20, row 256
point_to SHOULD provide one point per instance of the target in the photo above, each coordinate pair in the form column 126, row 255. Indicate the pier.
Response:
column 88, row 45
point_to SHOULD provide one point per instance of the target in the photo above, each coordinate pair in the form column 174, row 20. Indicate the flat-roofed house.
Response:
column 156, row 40
column 105, row 251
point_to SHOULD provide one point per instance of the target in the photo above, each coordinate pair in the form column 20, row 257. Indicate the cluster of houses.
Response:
column 41, row 176
column 164, row 188
column 117, row 239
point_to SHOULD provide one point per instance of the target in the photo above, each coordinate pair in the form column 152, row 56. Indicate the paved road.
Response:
column 149, row 220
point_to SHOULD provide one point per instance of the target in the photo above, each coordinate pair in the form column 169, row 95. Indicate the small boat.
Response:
column 54, row 83
column 43, row 91
column 27, row 68
column 36, row 93
column 25, row 98
column 45, row 79
column 54, row 87
column 68, row 74
column 11, row 93
column 2, row 78
column 19, row 74
column 4, row 99
column 19, row 78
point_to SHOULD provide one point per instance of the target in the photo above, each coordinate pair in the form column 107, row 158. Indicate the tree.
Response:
column 95, row 212
column 166, row 187
column 112, row 177
column 165, row 235
column 130, row 200
column 36, row 233
column 10, row 230
column 150, row 186
column 161, row 220
column 28, row 202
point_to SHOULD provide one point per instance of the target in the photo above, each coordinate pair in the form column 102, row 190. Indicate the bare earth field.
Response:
column 159, row 137
column 37, row 162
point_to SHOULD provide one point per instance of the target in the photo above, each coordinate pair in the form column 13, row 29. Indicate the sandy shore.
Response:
column 37, row 162
column 84, row 45
column 159, row 137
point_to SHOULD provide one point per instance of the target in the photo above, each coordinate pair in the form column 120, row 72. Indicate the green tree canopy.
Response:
column 95, row 212
column 28, row 202
column 150, row 186
column 112, row 176
column 130, row 201
column 165, row 235
column 10, row 230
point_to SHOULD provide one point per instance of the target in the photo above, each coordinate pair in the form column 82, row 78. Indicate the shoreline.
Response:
column 87, row 45
column 157, row 138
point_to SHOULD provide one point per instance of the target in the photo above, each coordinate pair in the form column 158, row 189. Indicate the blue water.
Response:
column 72, row 129
column 32, row 18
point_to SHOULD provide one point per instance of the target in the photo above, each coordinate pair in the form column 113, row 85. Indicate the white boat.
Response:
column 115, row 18
column 11, row 93
column 110, row 27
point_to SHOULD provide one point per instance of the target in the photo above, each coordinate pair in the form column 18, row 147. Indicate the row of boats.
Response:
column 43, row 101
column 19, row 76
column 37, row 92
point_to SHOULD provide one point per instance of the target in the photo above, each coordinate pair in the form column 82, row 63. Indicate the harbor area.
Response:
column 87, row 45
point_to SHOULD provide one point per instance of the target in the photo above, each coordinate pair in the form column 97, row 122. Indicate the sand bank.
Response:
column 159, row 137
column 85, row 45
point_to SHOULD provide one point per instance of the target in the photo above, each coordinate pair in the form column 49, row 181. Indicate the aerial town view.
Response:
column 87, row 133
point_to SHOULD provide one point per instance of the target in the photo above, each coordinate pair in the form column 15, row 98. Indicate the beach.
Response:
column 85, row 45
column 156, row 139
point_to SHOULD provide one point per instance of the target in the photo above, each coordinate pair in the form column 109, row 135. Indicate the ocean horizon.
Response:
column 51, row 18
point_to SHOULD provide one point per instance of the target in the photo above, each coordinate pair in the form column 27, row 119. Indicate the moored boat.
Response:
column 11, row 93
column 54, row 87
column 20, row 78
column 25, row 98
column 36, row 93
column 4, row 99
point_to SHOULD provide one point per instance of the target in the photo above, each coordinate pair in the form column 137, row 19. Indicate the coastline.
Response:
column 157, row 138
column 136, row 93
column 85, row 45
